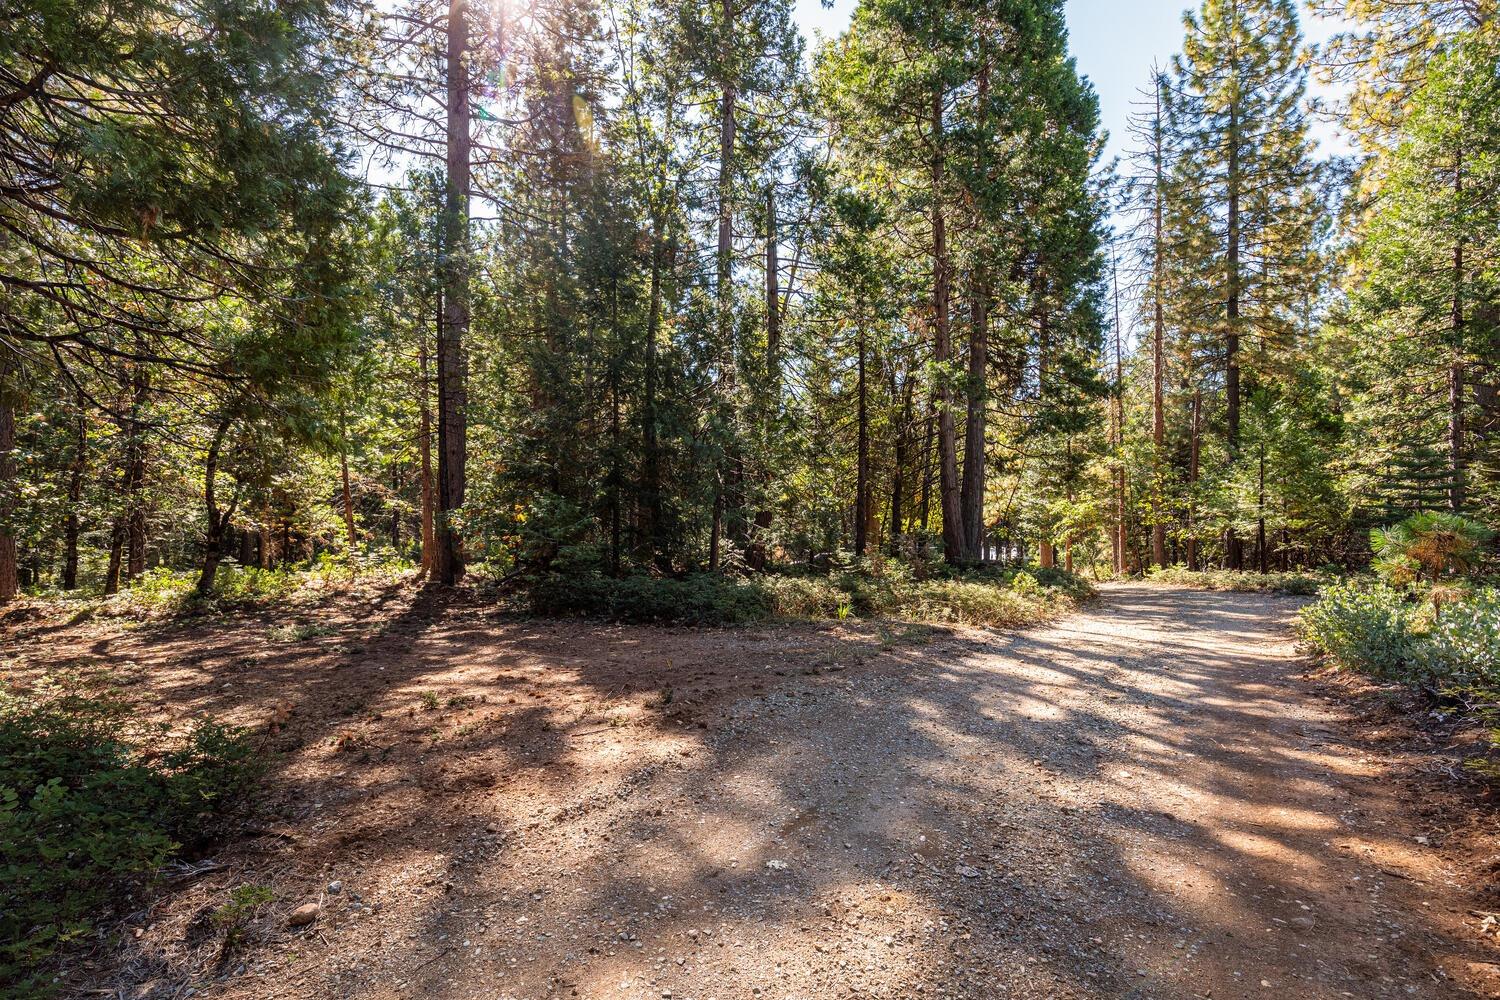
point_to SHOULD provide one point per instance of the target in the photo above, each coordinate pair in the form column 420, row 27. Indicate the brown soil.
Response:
column 1146, row 800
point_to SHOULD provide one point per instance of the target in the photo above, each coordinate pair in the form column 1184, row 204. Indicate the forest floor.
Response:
column 1149, row 799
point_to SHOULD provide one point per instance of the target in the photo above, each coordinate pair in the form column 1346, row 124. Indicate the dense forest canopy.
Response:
column 645, row 287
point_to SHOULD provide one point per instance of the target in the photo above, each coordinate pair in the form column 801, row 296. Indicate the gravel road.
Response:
column 1145, row 800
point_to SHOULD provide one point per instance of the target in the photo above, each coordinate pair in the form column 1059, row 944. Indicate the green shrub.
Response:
column 91, row 801
column 1460, row 648
column 1001, row 598
column 1364, row 626
column 1297, row 583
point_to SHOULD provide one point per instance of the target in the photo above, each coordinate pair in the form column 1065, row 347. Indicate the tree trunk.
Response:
column 972, row 498
column 1260, row 530
column 1158, row 342
column 862, row 472
column 1193, row 452
column 1234, row 550
column 650, row 432
column 773, row 301
column 135, row 472
column 217, row 519
column 116, row 554
column 955, row 551
column 451, row 362
column 1457, row 474
column 1046, row 551
column 424, row 449
column 1117, row 437
column 9, row 581
column 898, row 475
column 77, row 467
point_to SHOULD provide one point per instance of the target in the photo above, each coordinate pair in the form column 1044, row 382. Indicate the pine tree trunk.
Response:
column 9, row 580
column 116, row 557
column 972, row 498
column 424, row 449
column 1158, row 339
column 1046, row 551
column 954, row 548
column 1117, row 432
column 862, row 468
column 1260, row 525
column 773, row 302
column 898, row 475
column 77, row 467
column 1193, row 453
column 1233, row 549
column 135, row 473
column 217, row 519
column 451, row 362
column 1456, row 469
column 650, row 432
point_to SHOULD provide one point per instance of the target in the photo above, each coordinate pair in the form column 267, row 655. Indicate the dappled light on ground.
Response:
column 1139, row 802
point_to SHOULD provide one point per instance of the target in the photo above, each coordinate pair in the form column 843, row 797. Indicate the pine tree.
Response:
column 1236, row 107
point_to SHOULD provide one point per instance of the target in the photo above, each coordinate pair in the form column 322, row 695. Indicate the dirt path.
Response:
column 1143, row 801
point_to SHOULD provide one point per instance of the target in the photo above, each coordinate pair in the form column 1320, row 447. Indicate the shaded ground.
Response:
column 1143, row 801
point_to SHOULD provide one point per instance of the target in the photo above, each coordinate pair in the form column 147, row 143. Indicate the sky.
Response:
column 1115, row 43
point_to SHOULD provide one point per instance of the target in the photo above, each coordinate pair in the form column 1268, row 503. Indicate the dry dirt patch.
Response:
column 1145, row 800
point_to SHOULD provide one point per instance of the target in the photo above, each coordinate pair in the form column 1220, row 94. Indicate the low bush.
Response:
column 91, row 802
column 1298, row 583
column 1001, row 598
column 1401, row 634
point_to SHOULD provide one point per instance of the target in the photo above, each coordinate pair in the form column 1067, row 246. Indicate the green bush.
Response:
column 1001, row 598
column 1364, row 626
column 1297, row 583
column 1460, row 648
column 91, row 801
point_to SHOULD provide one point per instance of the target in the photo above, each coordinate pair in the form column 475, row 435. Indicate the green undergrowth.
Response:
column 93, row 802
column 1442, row 639
column 1301, row 583
column 164, row 593
column 996, row 598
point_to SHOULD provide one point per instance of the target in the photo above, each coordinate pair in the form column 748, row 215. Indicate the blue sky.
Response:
column 1114, row 41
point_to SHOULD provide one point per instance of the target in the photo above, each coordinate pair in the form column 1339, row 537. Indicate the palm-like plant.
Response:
column 1432, row 544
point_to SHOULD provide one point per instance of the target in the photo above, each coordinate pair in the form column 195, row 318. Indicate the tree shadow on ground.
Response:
column 1135, row 803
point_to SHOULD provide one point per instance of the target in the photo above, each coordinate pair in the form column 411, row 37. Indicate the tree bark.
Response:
column 1117, row 436
column 862, row 470
column 898, row 475
column 452, row 365
column 972, row 498
column 217, row 519
column 77, row 468
column 1234, row 550
column 9, row 580
column 955, row 550
column 1193, row 453
column 1457, row 472
column 424, row 448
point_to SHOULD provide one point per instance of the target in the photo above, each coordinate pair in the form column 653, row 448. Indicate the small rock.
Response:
column 968, row 872
column 777, row 865
column 334, row 888
column 303, row 915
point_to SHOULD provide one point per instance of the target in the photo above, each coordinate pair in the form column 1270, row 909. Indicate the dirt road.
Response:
column 1142, row 801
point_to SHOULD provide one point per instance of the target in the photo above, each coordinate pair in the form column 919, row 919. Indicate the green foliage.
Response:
column 1364, row 627
column 1301, row 584
column 1434, row 544
column 993, row 598
column 92, row 801
column 1393, row 633
column 245, row 903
